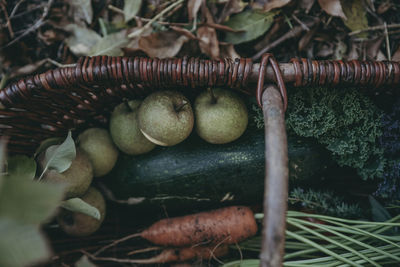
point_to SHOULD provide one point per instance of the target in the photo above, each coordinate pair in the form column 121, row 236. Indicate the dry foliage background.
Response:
column 36, row 34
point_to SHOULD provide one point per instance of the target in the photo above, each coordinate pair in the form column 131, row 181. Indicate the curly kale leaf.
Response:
column 390, row 139
column 390, row 142
column 346, row 122
column 389, row 187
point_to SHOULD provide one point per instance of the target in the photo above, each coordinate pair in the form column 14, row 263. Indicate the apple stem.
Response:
column 213, row 98
column 127, row 104
column 180, row 107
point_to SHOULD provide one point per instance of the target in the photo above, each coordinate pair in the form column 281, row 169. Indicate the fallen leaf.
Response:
column 332, row 7
column 59, row 157
column 193, row 8
column 84, row 262
column 252, row 23
column 110, row 45
column 82, row 10
column 78, row 205
column 230, row 8
column 162, row 44
column 208, row 41
column 131, row 8
column 228, row 51
column 356, row 14
column 306, row 5
column 396, row 55
column 82, row 39
column 184, row 31
column 268, row 5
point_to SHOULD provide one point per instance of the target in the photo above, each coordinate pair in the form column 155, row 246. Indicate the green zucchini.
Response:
column 196, row 174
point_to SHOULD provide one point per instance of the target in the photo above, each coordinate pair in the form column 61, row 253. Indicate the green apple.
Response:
column 125, row 132
column 166, row 118
column 221, row 116
column 77, row 177
column 79, row 224
column 98, row 145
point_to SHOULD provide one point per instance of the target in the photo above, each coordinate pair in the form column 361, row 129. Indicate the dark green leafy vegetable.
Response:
column 345, row 121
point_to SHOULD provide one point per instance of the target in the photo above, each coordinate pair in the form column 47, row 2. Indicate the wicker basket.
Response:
column 72, row 98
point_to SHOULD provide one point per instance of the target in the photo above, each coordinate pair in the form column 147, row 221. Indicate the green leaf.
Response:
column 356, row 14
column 251, row 24
column 84, row 262
column 110, row 45
column 83, row 10
column 29, row 201
column 82, row 39
column 379, row 213
column 59, row 157
column 131, row 8
column 78, row 205
column 46, row 143
column 21, row 166
column 21, row 244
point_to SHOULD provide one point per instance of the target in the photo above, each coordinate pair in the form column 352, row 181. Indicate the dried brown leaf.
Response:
column 162, row 44
column 396, row 55
column 193, row 8
column 228, row 51
column 209, row 42
column 185, row 32
column 306, row 5
column 267, row 5
column 231, row 7
column 332, row 7
column 305, row 40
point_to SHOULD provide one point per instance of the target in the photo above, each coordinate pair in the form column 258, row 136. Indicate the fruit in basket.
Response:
column 221, row 116
column 98, row 145
column 124, row 129
column 166, row 118
column 77, row 177
column 79, row 224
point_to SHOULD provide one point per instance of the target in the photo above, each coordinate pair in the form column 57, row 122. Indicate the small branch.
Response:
column 302, row 24
column 59, row 65
column 389, row 54
column 375, row 28
column 296, row 31
column 8, row 23
column 155, row 18
column 34, row 27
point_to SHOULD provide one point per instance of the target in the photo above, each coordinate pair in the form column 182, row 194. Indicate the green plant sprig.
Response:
column 333, row 242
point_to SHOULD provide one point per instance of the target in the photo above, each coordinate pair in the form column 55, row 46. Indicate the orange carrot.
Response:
column 226, row 225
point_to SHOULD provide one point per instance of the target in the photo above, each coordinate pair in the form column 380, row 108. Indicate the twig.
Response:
column 59, row 65
column 389, row 54
column 34, row 27
column 155, row 18
column 16, row 8
column 305, row 27
column 8, row 23
column 374, row 28
column 290, row 34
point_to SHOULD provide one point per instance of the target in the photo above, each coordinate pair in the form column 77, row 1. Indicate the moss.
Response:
column 346, row 122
